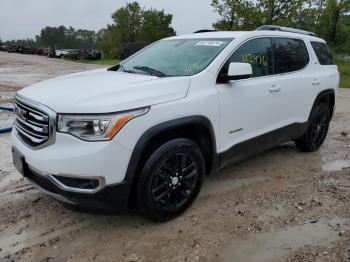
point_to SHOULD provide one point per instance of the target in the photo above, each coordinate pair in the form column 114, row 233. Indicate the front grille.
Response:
column 32, row 124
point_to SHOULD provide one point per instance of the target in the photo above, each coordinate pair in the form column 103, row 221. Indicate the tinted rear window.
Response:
column 323, row 53
column 290, row 55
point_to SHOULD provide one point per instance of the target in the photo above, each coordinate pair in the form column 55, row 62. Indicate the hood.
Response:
column 102, row 91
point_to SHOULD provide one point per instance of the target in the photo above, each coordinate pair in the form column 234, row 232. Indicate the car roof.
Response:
column 244, row 34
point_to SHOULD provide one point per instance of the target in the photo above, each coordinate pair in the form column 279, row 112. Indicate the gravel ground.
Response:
column 282, row 205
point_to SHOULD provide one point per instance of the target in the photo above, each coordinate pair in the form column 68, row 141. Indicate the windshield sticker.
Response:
column 210, row 43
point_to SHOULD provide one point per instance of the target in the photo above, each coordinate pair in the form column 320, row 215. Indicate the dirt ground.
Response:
column 282, row 205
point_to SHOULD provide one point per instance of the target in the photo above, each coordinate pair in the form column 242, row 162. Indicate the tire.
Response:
column 170, row 180
column 317, row 129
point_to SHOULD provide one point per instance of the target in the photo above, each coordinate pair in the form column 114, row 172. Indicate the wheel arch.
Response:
column 328, row 97
column 197, row 128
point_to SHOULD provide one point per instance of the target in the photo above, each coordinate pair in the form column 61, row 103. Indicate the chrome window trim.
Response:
column 273, row 75
column 43, row 109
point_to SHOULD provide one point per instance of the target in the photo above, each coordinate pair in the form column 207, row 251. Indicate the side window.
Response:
column 257, row 52
column 290, row 55
column 323, row 53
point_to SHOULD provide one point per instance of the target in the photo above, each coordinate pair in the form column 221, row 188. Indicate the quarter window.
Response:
column 290, row 55
column 258, row 53
column 323, row 53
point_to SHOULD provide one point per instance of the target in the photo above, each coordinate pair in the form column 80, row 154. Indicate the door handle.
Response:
column 274, row 89
column 316, row 82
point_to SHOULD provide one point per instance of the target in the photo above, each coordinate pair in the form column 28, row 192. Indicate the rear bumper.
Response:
column 111, row 197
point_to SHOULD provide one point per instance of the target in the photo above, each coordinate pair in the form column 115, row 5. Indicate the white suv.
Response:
column 147, row 130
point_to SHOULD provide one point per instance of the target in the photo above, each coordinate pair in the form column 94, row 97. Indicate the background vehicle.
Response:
column 152, row 127
column 62, row 52
column 83, row 54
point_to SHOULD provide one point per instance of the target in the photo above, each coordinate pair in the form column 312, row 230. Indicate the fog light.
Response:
column 80, row 183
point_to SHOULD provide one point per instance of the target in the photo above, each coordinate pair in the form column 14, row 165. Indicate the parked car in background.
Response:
column 12, row 49
column 27, row 50
column 4, row 48
column 60, row 53
column 83, row 54
column 42, row 51
column 148, row 130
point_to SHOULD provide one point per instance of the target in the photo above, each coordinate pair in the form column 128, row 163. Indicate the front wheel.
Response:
column 317, row 130
column 171, row 179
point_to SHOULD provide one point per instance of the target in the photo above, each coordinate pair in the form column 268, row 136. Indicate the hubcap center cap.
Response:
column 175, row 181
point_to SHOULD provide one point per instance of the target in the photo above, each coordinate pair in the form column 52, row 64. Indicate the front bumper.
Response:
column 70, row 157
column 111, row 197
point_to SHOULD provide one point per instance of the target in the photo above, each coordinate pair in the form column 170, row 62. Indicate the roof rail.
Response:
column 285, row 29
column 205, row 31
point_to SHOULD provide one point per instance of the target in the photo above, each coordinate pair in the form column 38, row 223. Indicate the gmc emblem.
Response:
column 20, row 113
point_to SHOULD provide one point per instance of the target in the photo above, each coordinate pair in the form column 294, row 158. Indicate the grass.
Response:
column 99, row 62
column 344, row 68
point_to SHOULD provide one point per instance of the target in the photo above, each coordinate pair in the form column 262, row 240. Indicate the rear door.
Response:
column 326, row 72
column 294, row 74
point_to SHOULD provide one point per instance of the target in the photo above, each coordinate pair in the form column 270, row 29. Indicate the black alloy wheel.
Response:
column 317, row 130
column 319, row 127
column 174, row 182
column 171, row 179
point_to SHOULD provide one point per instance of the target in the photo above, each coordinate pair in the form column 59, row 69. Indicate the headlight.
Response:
column 99, row 127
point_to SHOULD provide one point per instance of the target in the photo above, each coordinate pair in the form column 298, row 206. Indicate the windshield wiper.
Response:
column 120, row 67
column 149, row 70
column 125, row 70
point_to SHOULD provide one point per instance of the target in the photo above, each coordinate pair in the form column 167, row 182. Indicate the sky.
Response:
column 25, row 18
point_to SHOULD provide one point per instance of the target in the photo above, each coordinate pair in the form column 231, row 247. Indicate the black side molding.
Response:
column 262, row 143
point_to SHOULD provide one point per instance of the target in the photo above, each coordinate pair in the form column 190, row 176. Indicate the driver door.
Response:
column 249, row 107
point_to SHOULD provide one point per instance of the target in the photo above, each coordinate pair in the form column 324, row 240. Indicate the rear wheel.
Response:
column 171, row 179
column 317, row 130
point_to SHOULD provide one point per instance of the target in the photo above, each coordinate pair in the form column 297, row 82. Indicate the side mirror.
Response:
column 237, row 71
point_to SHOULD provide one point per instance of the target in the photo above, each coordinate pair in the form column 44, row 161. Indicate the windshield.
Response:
column 184, row 57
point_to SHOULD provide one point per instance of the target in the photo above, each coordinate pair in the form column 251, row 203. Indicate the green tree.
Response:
column 127, row 20
column 109, row 42
column 70, row 38
column 235, row 14
column 308, row 15
column 133, row 24
column 334, row 11
column 52, row 36
column 85, row 38
column 62, row 37
column 155, row 25
column 249, row 14
column 280, row 12
column 343, row 35
column 328, row 18
column 22, row 42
